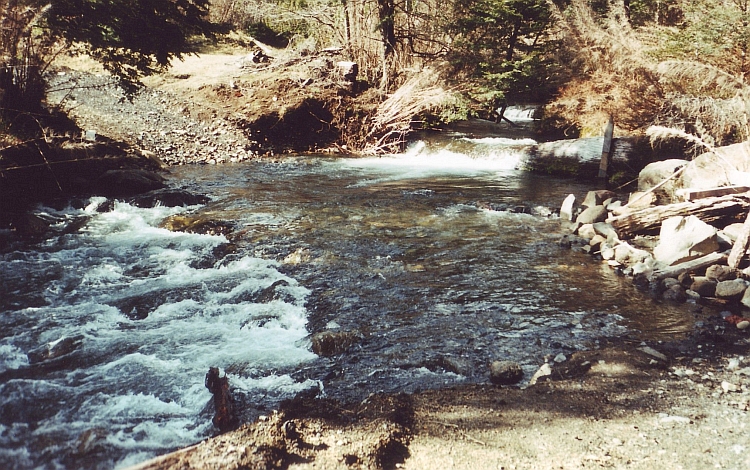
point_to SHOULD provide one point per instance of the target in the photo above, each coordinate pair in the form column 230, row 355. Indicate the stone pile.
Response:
column 692, row 250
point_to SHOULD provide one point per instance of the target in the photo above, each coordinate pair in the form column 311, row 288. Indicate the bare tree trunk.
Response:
column 347, row 25
column 386, row 13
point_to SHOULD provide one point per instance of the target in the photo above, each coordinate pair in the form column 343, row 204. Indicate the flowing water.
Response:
column 430, row 264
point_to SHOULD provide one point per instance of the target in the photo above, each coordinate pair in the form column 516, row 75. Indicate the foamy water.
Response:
column 490, row 155
column 133, row 387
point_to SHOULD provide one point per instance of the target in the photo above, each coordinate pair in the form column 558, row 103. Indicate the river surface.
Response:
column 430, row 264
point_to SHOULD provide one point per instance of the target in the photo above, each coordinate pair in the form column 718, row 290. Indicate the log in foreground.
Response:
column 709, row 210
column 690, row 266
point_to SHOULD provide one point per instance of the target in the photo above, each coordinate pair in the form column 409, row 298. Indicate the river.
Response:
column 433, row 262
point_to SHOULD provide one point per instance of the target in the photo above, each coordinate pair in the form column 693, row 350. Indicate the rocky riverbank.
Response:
column 683, row 235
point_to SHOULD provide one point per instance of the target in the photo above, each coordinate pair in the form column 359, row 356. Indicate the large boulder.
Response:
column 124, row 183
column 683, row 239
column 731, row 290
column 592, row 215
column 726, row 166
column 655, row 173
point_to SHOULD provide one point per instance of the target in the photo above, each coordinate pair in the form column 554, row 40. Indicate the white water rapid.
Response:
column 132, row 386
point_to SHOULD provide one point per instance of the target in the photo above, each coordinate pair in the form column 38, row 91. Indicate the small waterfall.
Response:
column 522, row 113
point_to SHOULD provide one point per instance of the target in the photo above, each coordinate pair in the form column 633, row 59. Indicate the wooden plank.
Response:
column 688, row 266
column 740, row 245
column 708, row 210
column 606, row 147
column 692, row 195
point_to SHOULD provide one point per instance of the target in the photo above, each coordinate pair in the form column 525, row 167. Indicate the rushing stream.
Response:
column 431, row 264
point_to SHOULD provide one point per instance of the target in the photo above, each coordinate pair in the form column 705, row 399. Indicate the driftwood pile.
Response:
column 694, row 249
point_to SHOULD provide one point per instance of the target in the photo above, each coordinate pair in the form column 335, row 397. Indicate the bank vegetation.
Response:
column 676, row 64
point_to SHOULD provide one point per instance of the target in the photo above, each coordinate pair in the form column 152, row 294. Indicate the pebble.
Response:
column 729, row 387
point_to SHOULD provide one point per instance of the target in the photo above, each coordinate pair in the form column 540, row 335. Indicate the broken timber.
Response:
column 689, row 266
column 709, row 210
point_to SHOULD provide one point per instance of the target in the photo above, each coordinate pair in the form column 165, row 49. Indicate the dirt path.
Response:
column 615, row 407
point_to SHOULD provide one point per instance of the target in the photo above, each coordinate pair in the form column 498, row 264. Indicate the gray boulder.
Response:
column 731, row 290
column 655, row 173
column 727, row 166
column 597, row 198
column 683, row 239
column 704, row 286
column 592, row 215
column 719, row 273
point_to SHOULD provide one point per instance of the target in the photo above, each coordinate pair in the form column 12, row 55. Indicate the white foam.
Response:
column 501, row 141
column 144, row 381
column 492, row 156
column 12, row 357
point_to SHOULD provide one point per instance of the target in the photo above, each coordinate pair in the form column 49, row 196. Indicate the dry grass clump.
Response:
column 615, row 73
column 393, row 117
column 612, row 74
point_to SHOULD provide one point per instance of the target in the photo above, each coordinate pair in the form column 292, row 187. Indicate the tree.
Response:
column 131, row 38
column 716, row 32
column 503, row 45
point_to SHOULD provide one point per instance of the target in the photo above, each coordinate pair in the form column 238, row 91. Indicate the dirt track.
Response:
column 616, row 407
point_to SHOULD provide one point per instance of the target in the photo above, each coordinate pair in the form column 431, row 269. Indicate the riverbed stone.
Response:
column 568, row 207
column 597, row 241
column 606, row 230
column 505, row 372
column 746, row 298
column 675, row 293
column 592, row 215
column 683, row 239
column 597, row 197
column 586, row 231
column 628, row 255
column 719, row 273
column 123, row 183
column 331, row 343
column 607, row 251
column 704, row 286
column 731, row 290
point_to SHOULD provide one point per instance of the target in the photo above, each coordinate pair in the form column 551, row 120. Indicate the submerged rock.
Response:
column 122, row 183
column 55, row 349
column 332, row 343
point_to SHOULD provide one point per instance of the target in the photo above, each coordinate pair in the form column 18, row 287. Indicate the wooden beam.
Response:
column 708, row 210
column 688, row 266
column 694, row 194
column 606, row 148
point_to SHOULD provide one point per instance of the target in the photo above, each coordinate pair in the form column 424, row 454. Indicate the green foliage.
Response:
column 131, row 38
column 714, row 32
column 267, row 35
column 503, row 46
column 660, row 12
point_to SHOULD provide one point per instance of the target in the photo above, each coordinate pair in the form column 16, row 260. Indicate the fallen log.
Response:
column 689, row 266
column 709, row 210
